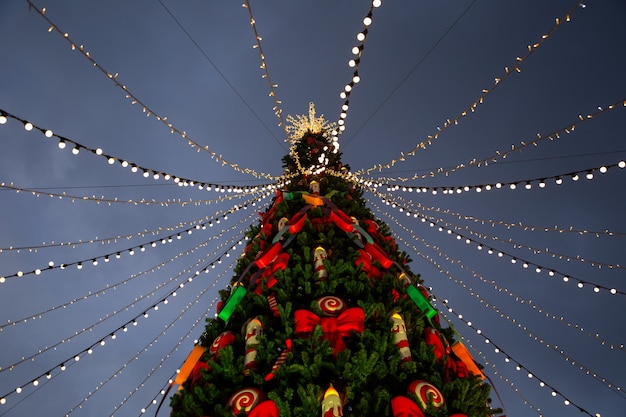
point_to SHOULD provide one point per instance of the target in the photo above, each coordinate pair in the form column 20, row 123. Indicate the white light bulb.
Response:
column 28, row 126
column 3, row 120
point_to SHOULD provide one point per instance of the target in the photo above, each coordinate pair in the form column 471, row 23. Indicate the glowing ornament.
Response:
column 331, row 403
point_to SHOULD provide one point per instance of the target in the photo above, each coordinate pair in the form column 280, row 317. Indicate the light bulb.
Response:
column 367, row 21
column 28, row 126
column 61, row 145
column 360, row 36
column 48, row 133
column 3, row 120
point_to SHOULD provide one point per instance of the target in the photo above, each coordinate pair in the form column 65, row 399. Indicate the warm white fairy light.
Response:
column 567, row 358
column 156, row 175
column 113, row 77
column 472, row 108
column 517, row 298
column 518, row 365
column 134, row 322
column 525, row 265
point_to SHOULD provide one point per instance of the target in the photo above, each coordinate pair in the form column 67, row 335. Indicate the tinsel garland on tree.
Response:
column 323, row 316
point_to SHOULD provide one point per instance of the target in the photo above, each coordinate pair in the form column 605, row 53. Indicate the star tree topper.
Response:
column 300, row 125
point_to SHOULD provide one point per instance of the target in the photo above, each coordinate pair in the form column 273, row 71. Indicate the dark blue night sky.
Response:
column 510, row 261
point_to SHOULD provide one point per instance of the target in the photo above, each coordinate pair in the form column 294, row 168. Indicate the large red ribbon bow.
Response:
column 334, row 329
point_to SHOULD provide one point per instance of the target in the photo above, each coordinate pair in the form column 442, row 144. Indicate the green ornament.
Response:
column 421, row 302
column 233, row 301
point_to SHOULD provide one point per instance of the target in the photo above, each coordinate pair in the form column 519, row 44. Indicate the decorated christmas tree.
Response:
column 323, row 316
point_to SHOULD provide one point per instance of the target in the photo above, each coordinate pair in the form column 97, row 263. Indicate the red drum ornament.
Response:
column 425, row 391
column 245, row 399
column 221, row 341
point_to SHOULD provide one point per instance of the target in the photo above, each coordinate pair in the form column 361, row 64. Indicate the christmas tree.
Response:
column 323, row 316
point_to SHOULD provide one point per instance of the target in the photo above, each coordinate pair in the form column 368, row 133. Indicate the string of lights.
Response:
column 357, row 51
column 77, row 147
column 523, row 226
column 554, row 135
column 528, row 184
column 149, row 112
column 161, row 392
column 143, row 201
column 112, row 255
column 518, row 365
column 206, row 220
column 568, row 359
column 120, row 284
column 278, row 111
column 195, row 267
column 515, row 297
column 485, row 92
column 496, row 371
column 112, row 336
column 210, row 61
column 501, row 254
column 174, row 349
column 147, row 347
column 553, row 254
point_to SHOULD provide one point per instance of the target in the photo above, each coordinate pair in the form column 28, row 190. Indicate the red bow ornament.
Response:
column 334, row 329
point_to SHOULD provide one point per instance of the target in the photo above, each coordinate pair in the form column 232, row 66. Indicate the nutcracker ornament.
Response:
column 319, row 256
column 253, row 330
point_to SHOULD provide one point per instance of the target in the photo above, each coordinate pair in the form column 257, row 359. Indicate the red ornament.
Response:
column 271, row 301
column 402, row 406
column 433, row 339
column 221, row 341
column 282, row 358
column 196, row 373
column 265, row 409
column 424, row 391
